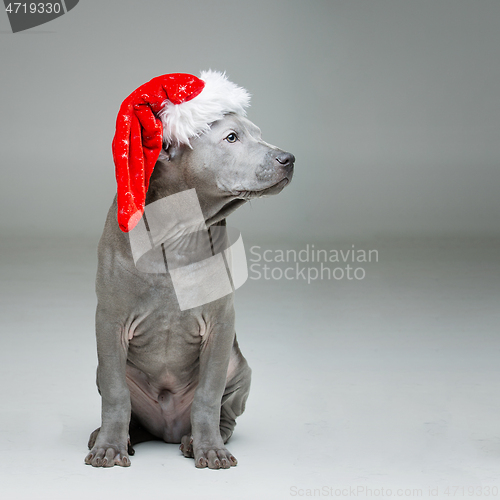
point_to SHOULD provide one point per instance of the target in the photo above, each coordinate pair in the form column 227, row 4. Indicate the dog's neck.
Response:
column 169, row 177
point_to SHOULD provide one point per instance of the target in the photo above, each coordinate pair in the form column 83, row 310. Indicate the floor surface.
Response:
column 386, row 386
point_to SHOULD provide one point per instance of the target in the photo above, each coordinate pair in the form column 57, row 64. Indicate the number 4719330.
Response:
column 33, row 8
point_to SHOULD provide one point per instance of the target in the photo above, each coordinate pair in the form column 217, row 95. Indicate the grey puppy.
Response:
column 163, row 373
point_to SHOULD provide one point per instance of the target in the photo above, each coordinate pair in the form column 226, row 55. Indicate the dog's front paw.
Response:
column 106, row 454
column 213, row 457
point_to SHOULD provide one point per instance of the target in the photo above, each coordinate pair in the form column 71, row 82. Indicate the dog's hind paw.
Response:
column 187, row 446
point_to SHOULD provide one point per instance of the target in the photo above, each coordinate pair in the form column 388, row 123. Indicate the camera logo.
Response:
column 25, row 15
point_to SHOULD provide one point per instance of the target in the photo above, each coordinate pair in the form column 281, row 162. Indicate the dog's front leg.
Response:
column 110, row 446
column 208, row 446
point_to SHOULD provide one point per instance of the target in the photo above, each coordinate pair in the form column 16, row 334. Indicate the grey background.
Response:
column 393, row 111
column 390, row 106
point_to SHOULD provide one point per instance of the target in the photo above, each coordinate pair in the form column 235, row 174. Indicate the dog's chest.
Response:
column 161, row 332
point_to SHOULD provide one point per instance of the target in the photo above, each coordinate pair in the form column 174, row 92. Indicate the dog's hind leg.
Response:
column 234, row 399
column 138, row 434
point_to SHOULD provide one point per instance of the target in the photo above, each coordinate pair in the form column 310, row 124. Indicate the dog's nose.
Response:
column 286, row 159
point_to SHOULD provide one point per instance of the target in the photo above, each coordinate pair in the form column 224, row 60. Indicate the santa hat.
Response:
column 169, row 109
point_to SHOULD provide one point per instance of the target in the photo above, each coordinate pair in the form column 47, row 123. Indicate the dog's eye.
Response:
column 232, row 137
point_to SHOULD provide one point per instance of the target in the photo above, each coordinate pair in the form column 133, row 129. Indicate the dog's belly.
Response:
column 164, row 409
column 162, row 403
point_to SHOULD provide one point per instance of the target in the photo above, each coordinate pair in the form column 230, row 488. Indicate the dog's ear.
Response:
column 169, row 152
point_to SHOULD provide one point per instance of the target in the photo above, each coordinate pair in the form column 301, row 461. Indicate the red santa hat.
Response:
column 169, row 109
